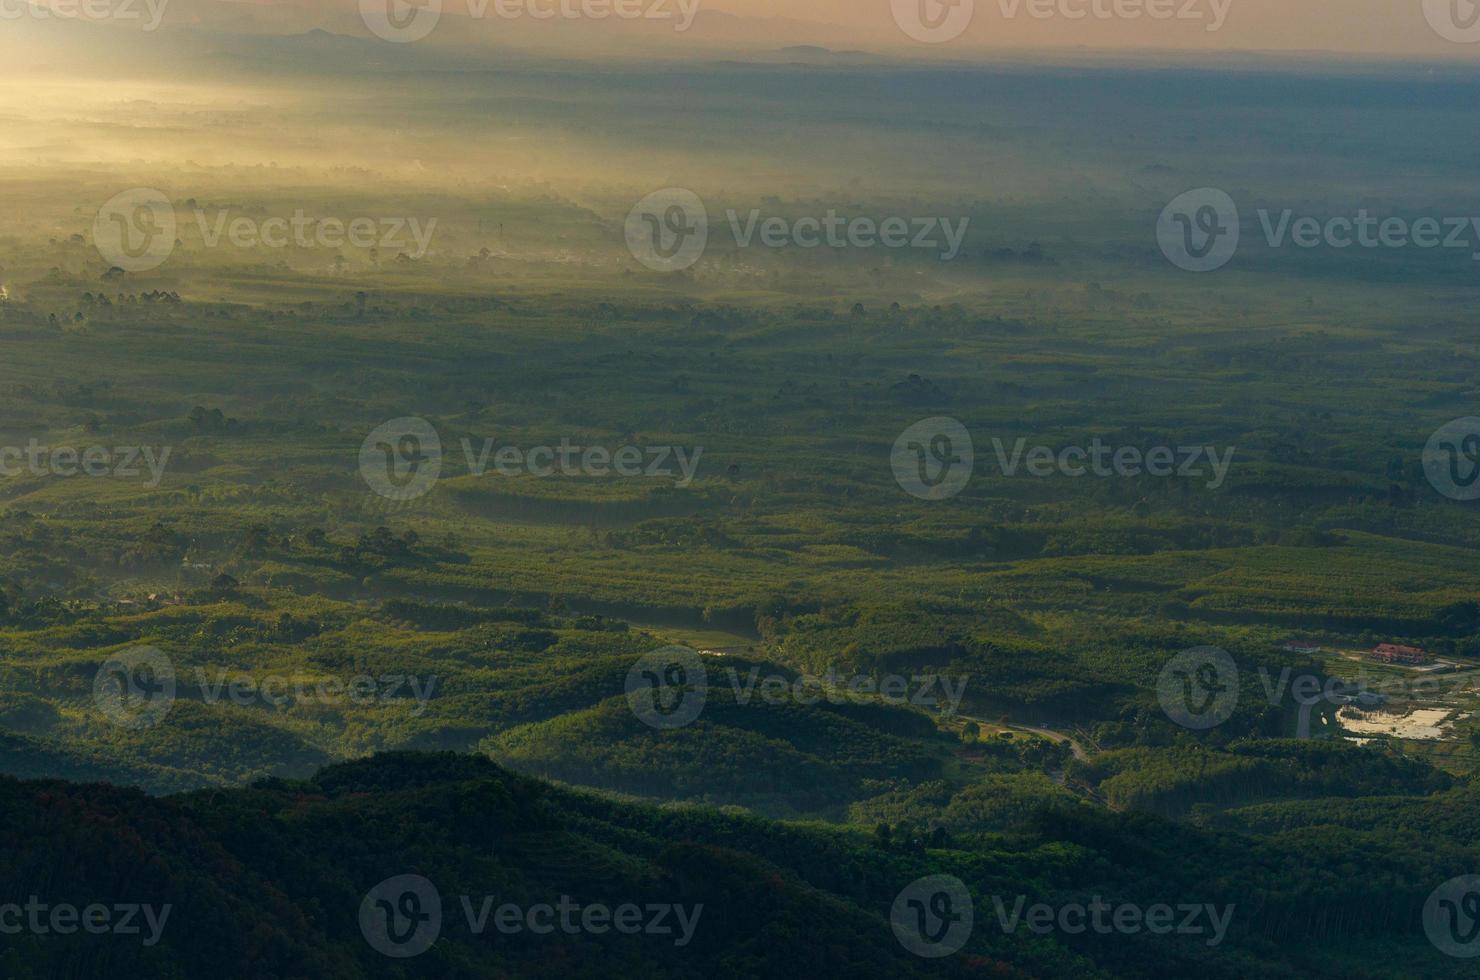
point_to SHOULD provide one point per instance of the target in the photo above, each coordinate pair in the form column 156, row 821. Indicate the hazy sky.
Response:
column 1365, row 26
column 925, row 28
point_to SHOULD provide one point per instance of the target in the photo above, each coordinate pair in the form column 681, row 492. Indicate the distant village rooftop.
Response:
column 1395, row 653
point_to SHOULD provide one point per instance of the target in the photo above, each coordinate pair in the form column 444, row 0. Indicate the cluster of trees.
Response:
column 1172, row 781
column 102, row 300
column 210, row 419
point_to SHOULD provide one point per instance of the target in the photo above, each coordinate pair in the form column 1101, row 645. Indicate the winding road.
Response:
column 1048, row 733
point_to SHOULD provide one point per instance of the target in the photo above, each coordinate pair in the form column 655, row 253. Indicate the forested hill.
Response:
column 277, row 881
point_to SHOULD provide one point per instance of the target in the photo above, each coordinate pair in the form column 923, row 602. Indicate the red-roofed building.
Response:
column 1393, row 653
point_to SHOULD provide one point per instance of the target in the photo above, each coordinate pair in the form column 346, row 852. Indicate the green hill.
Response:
column 270, row 880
